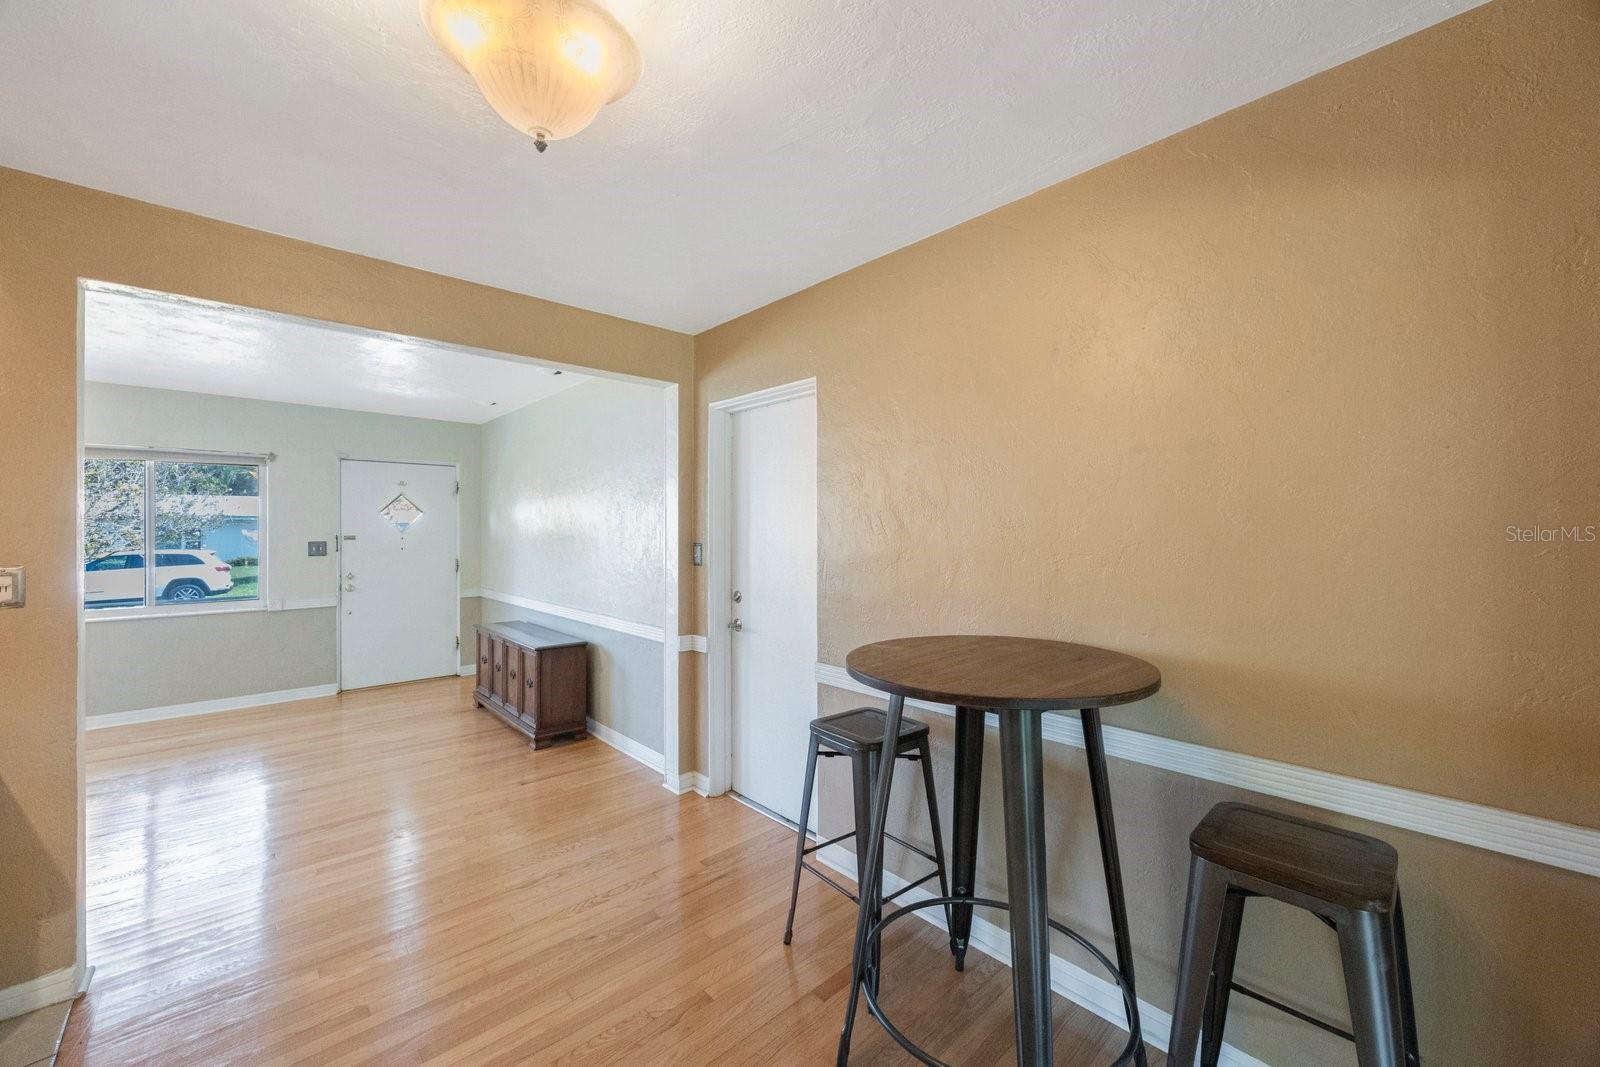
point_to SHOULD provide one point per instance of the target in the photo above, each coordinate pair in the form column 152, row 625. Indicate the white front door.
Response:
column 398, row 604
column 774, row 594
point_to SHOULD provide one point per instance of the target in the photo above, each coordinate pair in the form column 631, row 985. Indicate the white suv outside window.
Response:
column 181, row 574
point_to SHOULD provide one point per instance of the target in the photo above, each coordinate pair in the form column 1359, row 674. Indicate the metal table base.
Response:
column 1129, row 1051
column 1022, row 764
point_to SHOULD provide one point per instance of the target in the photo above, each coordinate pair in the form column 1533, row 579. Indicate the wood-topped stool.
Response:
column 1346, row 879
column 858, row 735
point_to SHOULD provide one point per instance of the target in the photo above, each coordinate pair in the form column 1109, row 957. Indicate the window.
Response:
column 171, row 532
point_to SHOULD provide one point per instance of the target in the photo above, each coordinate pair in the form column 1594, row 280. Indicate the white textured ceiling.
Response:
column 769, row 144
column 135, row 337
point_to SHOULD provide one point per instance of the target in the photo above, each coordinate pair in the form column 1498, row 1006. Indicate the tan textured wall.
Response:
column 51, row 235
column 1258, row 402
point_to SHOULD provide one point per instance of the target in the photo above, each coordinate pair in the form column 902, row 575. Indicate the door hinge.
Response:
column 458, row 566
column 458, row 488
column 458, row 640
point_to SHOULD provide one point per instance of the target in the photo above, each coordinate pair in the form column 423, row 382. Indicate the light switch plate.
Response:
column 316, row 548
column 12, row 589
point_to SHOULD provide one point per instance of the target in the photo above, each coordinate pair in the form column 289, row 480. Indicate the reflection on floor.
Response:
column 392, row 877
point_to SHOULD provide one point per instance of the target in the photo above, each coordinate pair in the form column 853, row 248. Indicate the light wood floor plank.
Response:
column 391, row 877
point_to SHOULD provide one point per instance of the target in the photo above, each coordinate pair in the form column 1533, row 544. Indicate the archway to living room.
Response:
column 306, row 530
column 230, row 555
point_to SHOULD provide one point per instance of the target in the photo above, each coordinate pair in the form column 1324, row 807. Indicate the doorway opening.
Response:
column 278, row 508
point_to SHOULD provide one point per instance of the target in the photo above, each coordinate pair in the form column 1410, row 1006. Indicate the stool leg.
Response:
column 1099, row 785
column 800, row 839
column 1221, row 985
column 1408, row 1010
column 870, row 875
column 925, row 754
column 964, row 825
column 1367, row 952
column 863, row 774
column 1202, row 928
column 1022, row 764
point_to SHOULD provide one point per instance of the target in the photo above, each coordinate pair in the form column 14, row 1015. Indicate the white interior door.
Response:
column 398, row 604
column 774, row 588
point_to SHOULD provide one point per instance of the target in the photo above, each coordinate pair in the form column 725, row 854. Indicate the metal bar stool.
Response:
column 1348, row 880
column 858, row 734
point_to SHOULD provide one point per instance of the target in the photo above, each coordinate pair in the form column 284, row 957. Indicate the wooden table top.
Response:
column 1003, row 673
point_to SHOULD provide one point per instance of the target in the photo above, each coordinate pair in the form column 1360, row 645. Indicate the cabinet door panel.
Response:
column 498, row 657
column 485, row 670
column 530, row 687
column 513, row 685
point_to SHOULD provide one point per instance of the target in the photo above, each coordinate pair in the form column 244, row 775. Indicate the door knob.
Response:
column 736, row 624
column 349, row 587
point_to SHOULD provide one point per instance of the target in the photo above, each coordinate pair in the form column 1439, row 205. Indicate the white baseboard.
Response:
column 467, row 670
column 689, row 781
column 1067, row 979
column 1559, row 844
column 627, row 745
column 206, row 707
column 43, row 991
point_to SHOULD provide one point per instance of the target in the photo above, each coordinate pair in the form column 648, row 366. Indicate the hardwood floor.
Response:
column 379, row 878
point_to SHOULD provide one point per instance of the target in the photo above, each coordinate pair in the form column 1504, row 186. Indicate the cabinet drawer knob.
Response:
column 484, row 660
column 530, row 683
column 497, row 666
column 513, row 675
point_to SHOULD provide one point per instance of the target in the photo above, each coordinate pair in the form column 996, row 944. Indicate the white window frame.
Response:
column 151, row 608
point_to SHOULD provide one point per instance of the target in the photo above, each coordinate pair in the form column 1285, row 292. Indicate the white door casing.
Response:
column 771, row 599
column 399, row 607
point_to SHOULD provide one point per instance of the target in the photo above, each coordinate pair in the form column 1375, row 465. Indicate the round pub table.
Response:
column 1019, row 679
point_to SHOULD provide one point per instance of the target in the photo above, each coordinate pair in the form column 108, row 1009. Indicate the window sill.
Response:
column 113, row 615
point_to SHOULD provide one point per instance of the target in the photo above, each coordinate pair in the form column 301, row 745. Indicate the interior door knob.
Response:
column 736, row 624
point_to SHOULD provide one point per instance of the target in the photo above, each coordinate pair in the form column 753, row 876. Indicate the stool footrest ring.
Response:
column 875, row 936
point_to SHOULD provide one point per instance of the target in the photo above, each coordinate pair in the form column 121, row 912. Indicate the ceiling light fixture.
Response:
column 545, row 66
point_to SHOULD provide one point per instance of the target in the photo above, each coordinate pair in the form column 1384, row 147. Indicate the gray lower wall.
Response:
column 471, row 615
column 134, row 664
column 624, row 671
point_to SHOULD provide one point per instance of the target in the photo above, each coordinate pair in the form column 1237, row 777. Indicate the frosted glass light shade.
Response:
column 546, row 66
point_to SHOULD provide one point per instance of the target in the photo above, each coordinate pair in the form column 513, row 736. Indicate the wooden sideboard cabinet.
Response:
column 534, row 679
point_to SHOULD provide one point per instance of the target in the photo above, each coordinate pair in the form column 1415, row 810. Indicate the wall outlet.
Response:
column 316, row 548
column 12, row 593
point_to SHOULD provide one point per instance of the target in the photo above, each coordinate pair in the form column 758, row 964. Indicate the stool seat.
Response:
column 1341, row 867
column 861, row 730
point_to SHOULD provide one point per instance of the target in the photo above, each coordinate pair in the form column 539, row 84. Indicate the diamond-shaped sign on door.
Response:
column 401, row 513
